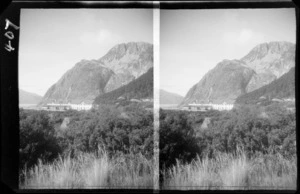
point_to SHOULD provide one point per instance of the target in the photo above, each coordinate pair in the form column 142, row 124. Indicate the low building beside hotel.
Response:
column 81, row 106
column 223, row 106
column 198, row 107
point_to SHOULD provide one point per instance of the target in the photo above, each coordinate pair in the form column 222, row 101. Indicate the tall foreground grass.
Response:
column 90, row 171
column 233, row 171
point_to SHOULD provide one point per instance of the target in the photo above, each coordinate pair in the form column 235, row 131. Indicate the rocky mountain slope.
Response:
column 128, row 62
column 232, row 78
column 269, row 61
column 169, row 97
column 91, row 78
column 140, row 88
column 281, row 88
column 28, row 97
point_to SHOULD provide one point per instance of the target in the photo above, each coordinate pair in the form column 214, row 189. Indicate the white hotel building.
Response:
column 210, row 106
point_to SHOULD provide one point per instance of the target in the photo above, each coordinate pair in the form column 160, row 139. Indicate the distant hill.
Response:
column 230, row 79
column 169, row 97
column 28, row 97
column 283, row 87
column 139, row 88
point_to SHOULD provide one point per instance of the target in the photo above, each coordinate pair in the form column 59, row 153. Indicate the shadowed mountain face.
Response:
column 28, row 97
column 91, row 78
column 281, row 88
column 140, row 88
column 232, row 78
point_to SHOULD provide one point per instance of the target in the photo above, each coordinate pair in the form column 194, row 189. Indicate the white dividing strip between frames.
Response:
column 156, row 59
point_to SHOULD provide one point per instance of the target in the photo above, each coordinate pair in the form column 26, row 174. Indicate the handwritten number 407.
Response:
column 9, row 34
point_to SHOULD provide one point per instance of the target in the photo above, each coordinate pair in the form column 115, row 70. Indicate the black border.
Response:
column 227, row 4
column 9, row 81
column 9, row 101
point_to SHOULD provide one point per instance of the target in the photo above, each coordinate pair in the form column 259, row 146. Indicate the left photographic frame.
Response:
column 80, row 88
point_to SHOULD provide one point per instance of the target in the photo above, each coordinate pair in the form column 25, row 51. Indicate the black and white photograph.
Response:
column 227, row 99
column 149, row 97
column 86, row 99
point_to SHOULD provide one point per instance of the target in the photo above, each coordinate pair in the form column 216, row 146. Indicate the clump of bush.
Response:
column 37, row 138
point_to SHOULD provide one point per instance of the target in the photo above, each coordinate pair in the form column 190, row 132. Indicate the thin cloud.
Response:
column 245, row 36
column 101, row 36
column 105, row 35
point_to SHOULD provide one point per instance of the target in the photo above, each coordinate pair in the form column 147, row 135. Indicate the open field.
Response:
column 90, row 171
column 234, row 172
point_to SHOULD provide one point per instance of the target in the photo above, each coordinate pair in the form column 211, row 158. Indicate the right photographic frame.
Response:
column 227, row 118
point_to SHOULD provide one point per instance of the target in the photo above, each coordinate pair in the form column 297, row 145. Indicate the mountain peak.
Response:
column 122, row 49
column 227, row 63
column 84, row 63
column 273, row 48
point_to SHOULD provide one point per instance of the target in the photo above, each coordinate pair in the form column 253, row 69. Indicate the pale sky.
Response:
column 52, row 41
column 193, row 41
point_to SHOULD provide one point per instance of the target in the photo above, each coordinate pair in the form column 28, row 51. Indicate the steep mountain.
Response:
column 91, row 78
column 232, row 78
column 169, row 97
column 281, row 88
column 28, row 97
column 140, row 88
column 81, row 83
